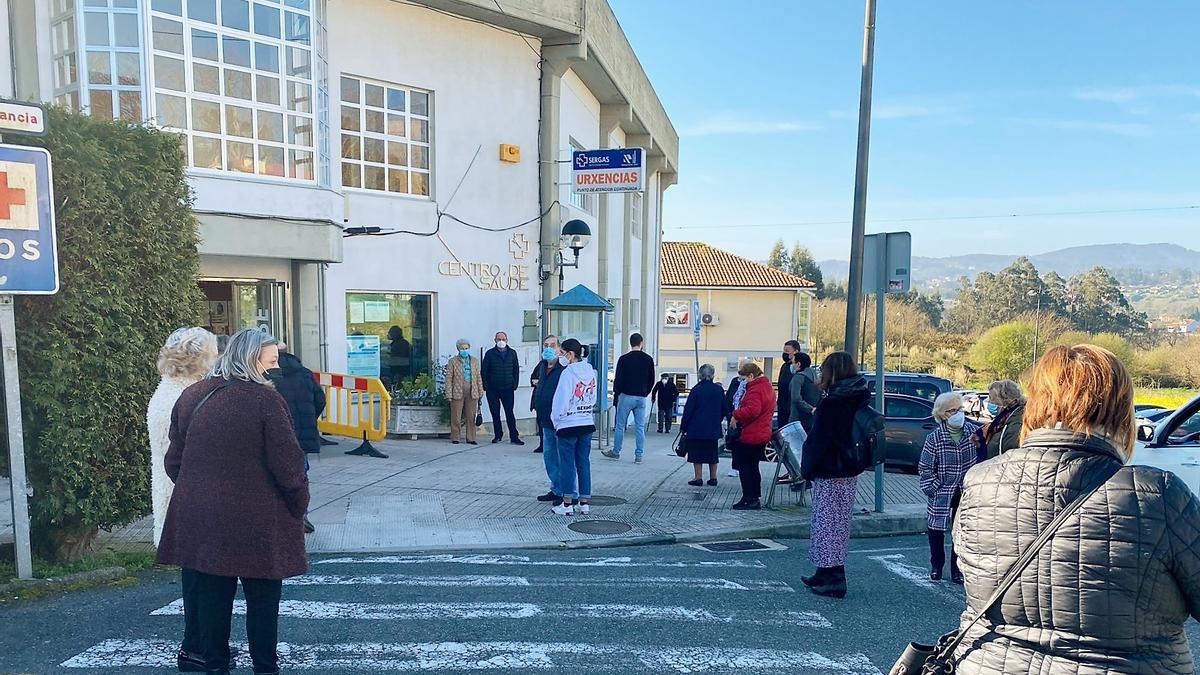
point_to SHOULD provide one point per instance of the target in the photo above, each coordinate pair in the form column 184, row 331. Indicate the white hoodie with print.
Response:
column 575, row 398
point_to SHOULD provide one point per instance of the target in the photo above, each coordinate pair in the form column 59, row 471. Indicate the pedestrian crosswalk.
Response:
column 688, row 612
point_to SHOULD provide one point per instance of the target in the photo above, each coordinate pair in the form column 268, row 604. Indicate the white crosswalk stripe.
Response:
column 495, row 581
column 485, row 559
column 897, row 564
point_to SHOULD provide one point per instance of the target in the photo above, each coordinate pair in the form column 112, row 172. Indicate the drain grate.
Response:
column 604, row 500
column 599, row 527
column 733, row 546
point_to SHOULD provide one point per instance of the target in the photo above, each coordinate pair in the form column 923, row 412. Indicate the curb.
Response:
column 90, row 578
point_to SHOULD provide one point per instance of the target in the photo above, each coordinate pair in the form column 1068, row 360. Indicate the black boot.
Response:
column 818, row 578
column 834, row 585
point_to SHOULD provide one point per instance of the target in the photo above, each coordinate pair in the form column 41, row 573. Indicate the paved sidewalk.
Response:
column 431, row 495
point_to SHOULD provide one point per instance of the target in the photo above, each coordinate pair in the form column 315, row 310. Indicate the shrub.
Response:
column 1004, row 351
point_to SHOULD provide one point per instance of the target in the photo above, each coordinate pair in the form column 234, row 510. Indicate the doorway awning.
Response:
column 580, row 298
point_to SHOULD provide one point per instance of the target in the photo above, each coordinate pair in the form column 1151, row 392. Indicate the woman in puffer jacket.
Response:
column 1112, row 588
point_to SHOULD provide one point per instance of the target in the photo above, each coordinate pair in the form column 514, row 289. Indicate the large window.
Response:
column 403, row 322
column 635, row 214
column 386, row 139
column 242, row 82
column 104, row 37
column 64, row 45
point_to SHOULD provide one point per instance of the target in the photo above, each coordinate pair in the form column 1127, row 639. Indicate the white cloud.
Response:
column 737, row 125
column 1115, row 128
column 1114, row 95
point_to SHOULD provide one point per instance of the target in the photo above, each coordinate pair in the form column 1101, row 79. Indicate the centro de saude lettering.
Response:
column 490, row 276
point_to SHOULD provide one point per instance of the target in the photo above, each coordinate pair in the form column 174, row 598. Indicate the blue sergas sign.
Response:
column 28, row 247
column 621, row 170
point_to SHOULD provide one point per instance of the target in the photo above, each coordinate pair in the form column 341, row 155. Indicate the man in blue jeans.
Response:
column 631, row 385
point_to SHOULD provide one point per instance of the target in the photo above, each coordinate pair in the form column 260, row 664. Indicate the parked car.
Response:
column 920, row 385
column 1173, row 443
column 1152, row 414
column 908, row 420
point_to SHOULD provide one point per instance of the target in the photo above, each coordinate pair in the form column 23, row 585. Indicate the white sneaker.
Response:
column 563, row 510
column 733, row 473
column 583, row 509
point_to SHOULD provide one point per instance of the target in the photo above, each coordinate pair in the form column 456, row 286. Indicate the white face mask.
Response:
column 501, row 343
column 957, row 420
column 562, row 361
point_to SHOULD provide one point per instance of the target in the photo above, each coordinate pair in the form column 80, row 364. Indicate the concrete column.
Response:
column 612, row 117
column 651, row 241
column 307, row 311
column 645, row 142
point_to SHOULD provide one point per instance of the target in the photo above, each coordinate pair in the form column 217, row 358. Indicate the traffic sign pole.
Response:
column 16, row 438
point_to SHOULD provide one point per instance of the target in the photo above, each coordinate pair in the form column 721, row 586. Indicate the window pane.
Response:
column 266, row 20
column 171, row 111
column 270, row 160
column 267, row 89
column 131, row 105
column 101, row 104
column 270, row 127
column 305, row 5
column 350, row 89
column 351, row 174
column 124, row 3
column 95, row 3
column 420, row 130
column 237, row 51
column 300, row 164
column 350, row 121
column 395, row 125
column 235, row 14
column 96, row 29
column 373, row 150
column 266, row 57
column 203, row 10
column 129, row 69
column 299, row 62
column 168, row 73
column 168, row 35
column 397, row 154
column 99, row 70
column 237, row 84
column 420, row 103
column 420, row 183
column 374, row 95
column 204, row 45
column 239, row 156
column 351, row 146
column 206, row 152
column 169, row 6
column 239, row 121
column 373, row 178
column 126, row 30
column 397, row 180
column 299, row 96
column 206, row 79
column 72, row 70
column 206, row 116
column 298, row 28
column 395, row 99
column 419, row 156
column 375, row 121
column 300, row 130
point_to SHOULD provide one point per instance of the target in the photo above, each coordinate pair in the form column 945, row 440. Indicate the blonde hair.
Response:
column 1085, row 389
column 188, row 353
column 1005, row 393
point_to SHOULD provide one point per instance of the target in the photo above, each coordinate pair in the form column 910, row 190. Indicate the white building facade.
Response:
column 378, row 168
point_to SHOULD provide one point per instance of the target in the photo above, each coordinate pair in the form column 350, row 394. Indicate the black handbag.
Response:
column 680, row 445
column 939, row 659
column 479, row 414
column 732, row 434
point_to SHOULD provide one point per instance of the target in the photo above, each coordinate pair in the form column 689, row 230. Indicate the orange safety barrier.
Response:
column 355, row 407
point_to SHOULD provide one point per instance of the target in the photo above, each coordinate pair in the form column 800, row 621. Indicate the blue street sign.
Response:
column 28, row 245
column 696, row 320
column 619, row 170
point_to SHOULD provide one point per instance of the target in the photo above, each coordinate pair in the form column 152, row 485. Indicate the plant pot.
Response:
column 417, row 420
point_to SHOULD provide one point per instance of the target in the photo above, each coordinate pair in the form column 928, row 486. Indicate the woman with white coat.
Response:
column 572, row 415
column 182, row 361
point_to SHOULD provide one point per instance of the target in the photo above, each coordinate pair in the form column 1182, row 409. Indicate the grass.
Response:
column 1167, row 398
column 131, row 560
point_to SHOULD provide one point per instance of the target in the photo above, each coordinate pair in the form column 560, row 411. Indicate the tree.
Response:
column 779, row 257
column 1004, row 351
column 1097, row 304
column 929, row 304
column 1114, row 343
column 128, row 265
column 801, row 264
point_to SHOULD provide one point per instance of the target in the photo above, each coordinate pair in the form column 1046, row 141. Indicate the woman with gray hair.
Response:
column 185, row 357
column 1006, row 405
column 239, row 502
column 950, row 449
column 464, row 388
column 700, row 427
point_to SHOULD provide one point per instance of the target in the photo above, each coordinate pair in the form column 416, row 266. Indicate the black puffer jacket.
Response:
column 305, row 399
column 1109, row 593
column 501, row 370
column 824, row 454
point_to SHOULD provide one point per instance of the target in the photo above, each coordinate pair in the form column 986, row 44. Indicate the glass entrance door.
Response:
column 262, row 305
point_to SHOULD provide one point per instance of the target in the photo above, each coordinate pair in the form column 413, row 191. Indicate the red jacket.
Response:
column 754, row 414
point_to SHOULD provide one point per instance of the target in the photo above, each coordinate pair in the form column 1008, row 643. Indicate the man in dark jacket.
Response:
column 784, row 386
column 501, row 376
column 306, row 401
column 631, row 385
column 548, row 373
column 805, row 393
column 544, row 364
column 666, row 394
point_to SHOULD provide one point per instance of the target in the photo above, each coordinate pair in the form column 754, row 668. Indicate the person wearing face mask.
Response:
column 666, row 394
column 805, row 394
column 949, row 451
column 306, row 402
column 1006, row 405
column 549, row 355
column 238, row 506
column 464, row 388
column 501, row 376
column 572, row 413
column 783, row 408
column 545, row 382
column 632, row 383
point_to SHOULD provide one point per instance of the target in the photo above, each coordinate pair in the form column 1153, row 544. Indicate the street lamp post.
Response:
column 1037, row 323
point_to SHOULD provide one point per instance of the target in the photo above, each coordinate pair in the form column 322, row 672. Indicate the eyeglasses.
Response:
column 951, row 411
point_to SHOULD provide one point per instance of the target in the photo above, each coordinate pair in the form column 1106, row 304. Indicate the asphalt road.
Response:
column 664, row 609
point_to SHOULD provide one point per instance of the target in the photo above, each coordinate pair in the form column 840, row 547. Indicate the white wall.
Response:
column 579, row 122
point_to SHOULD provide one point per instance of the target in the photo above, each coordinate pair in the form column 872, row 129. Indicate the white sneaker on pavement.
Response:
column 733, row 473
column 584, row 509
column 564, row 509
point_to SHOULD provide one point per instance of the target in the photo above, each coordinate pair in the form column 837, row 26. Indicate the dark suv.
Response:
column 920, row 385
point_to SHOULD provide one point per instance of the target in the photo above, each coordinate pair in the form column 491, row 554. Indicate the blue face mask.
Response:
column 548, row 354
column 464, row 353
column 993, row 409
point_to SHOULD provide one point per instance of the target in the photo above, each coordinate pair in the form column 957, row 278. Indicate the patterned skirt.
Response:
column 832, row 506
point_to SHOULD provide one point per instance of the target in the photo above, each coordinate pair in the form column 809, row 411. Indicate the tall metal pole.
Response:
column 16, row 438
column 880, row 303
column 859, row 227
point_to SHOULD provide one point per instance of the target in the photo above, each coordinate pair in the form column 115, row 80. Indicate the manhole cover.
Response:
column 599, row 526
column 602, row 500
column 730, row 546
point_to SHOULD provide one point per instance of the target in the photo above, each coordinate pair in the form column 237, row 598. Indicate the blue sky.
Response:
column 980, row 109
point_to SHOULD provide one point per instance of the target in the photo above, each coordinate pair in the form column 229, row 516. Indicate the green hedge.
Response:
column 128, row 265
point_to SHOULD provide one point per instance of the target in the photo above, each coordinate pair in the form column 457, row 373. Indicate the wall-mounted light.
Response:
column 575, row 235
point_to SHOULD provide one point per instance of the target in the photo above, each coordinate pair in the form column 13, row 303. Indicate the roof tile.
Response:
column 693, row 263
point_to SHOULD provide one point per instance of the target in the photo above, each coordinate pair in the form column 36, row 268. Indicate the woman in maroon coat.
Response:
column 238, row 506
column 753, row 418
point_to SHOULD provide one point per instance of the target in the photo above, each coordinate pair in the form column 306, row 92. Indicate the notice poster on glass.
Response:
column 377, row 311
column 357, row 312
column 362, row 355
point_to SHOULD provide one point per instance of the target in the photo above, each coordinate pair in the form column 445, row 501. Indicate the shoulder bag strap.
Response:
column 1022, row 563
column 201, row 405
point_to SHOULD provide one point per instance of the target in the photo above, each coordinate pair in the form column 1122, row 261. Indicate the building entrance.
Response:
column 233, row 304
